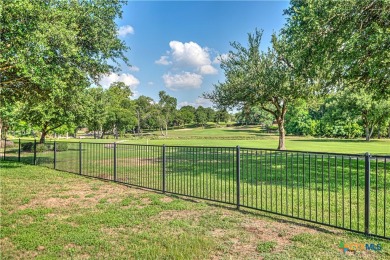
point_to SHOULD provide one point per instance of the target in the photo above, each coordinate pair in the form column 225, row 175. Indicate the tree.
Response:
column 221, row 116
column 47, row 45
column 143, row 110
column 255, row 78
column 201, row 116
column 186, row 114
column 51, row 112
column 98, row 106
column 373, row 113
column 342, row 41
column 120, row 112
column 167, row 108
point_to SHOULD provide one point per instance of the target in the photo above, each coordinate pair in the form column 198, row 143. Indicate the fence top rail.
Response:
column 373, row 156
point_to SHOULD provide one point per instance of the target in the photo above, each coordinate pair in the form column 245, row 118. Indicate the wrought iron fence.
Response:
column 347, row 191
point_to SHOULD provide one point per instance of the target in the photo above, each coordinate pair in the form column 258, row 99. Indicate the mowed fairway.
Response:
column 51, row 214
column 253, row 137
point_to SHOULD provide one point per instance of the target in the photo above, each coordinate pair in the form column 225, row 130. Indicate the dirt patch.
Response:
column 146, row 201
column 6, row 245
column 169, row 215
column 243, row 240
column 78, row 194
column 166, row 199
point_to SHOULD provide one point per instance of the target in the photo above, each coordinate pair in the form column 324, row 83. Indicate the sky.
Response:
column 176, row 45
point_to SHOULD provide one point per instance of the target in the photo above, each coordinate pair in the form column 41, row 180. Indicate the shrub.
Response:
column 27, row 147
column 61, row 147
column 41, row 148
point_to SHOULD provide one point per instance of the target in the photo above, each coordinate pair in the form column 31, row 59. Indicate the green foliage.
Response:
column 41, row 148
column 60, row 146
column 201, row 116
column 341, row 44
column 120, row 109
column 56, row 45
column 27, row 147
column 266, row 247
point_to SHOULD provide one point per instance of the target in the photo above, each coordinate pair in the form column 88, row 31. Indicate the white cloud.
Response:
column 198, row 102
column 125, row 30
column 219, row 58
column 134, row 68
column 150, row 83
column 207, row 69
column 128, row 79
column 203, row 102
column 185, row 80
column 163, row 60
column 189, row 55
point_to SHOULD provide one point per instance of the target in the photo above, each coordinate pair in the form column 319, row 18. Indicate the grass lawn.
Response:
column 49, row 214
column 252, row 137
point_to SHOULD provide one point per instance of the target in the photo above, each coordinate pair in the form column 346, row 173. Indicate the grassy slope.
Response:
column 50, row 214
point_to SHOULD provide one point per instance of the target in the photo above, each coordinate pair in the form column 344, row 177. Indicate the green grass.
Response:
column 48, row 214
column 322, row 188
column 253, row 137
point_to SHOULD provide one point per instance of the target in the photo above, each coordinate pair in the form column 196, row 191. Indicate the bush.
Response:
column 41, row 148
column 27, row 147
column 61, row 147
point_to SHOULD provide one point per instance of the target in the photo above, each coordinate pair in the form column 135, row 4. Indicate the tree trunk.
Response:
column 43, row 136
column 1, row 130
column 388, row 132
column 94, row 134
column 161, row 130
column 282, row 134
column 367, row 131
column 379, row 133
column 166, row 129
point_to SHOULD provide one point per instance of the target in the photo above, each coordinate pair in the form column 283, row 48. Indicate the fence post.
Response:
column 35, row 152
column 115, row 178
column 55, row 154
column 238, row 175
column 164, row 168
column 80, row 158
column 5, row 145
column 19, row 146
column 367, row 194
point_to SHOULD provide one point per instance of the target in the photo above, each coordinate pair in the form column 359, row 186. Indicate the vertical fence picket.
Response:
column 367, row 194
column 238, row 176
column 35, row 152
column 163, row 169
column 19, row 146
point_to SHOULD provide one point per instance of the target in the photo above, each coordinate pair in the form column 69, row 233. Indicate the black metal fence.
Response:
column 347, row 191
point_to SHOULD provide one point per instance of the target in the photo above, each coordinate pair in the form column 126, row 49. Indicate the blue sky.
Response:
column 175, row 45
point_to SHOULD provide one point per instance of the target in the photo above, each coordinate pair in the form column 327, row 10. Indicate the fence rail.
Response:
column 347, row 191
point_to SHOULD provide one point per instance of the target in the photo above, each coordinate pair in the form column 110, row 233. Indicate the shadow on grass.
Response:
column 259, row 213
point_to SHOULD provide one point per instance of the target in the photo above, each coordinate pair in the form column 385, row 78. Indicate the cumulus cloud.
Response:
column 125, row 30
column 128, row 79
column 189, row 55
column 219, row 58
column 198, row 102
column 184, row 80
column 163, row 60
